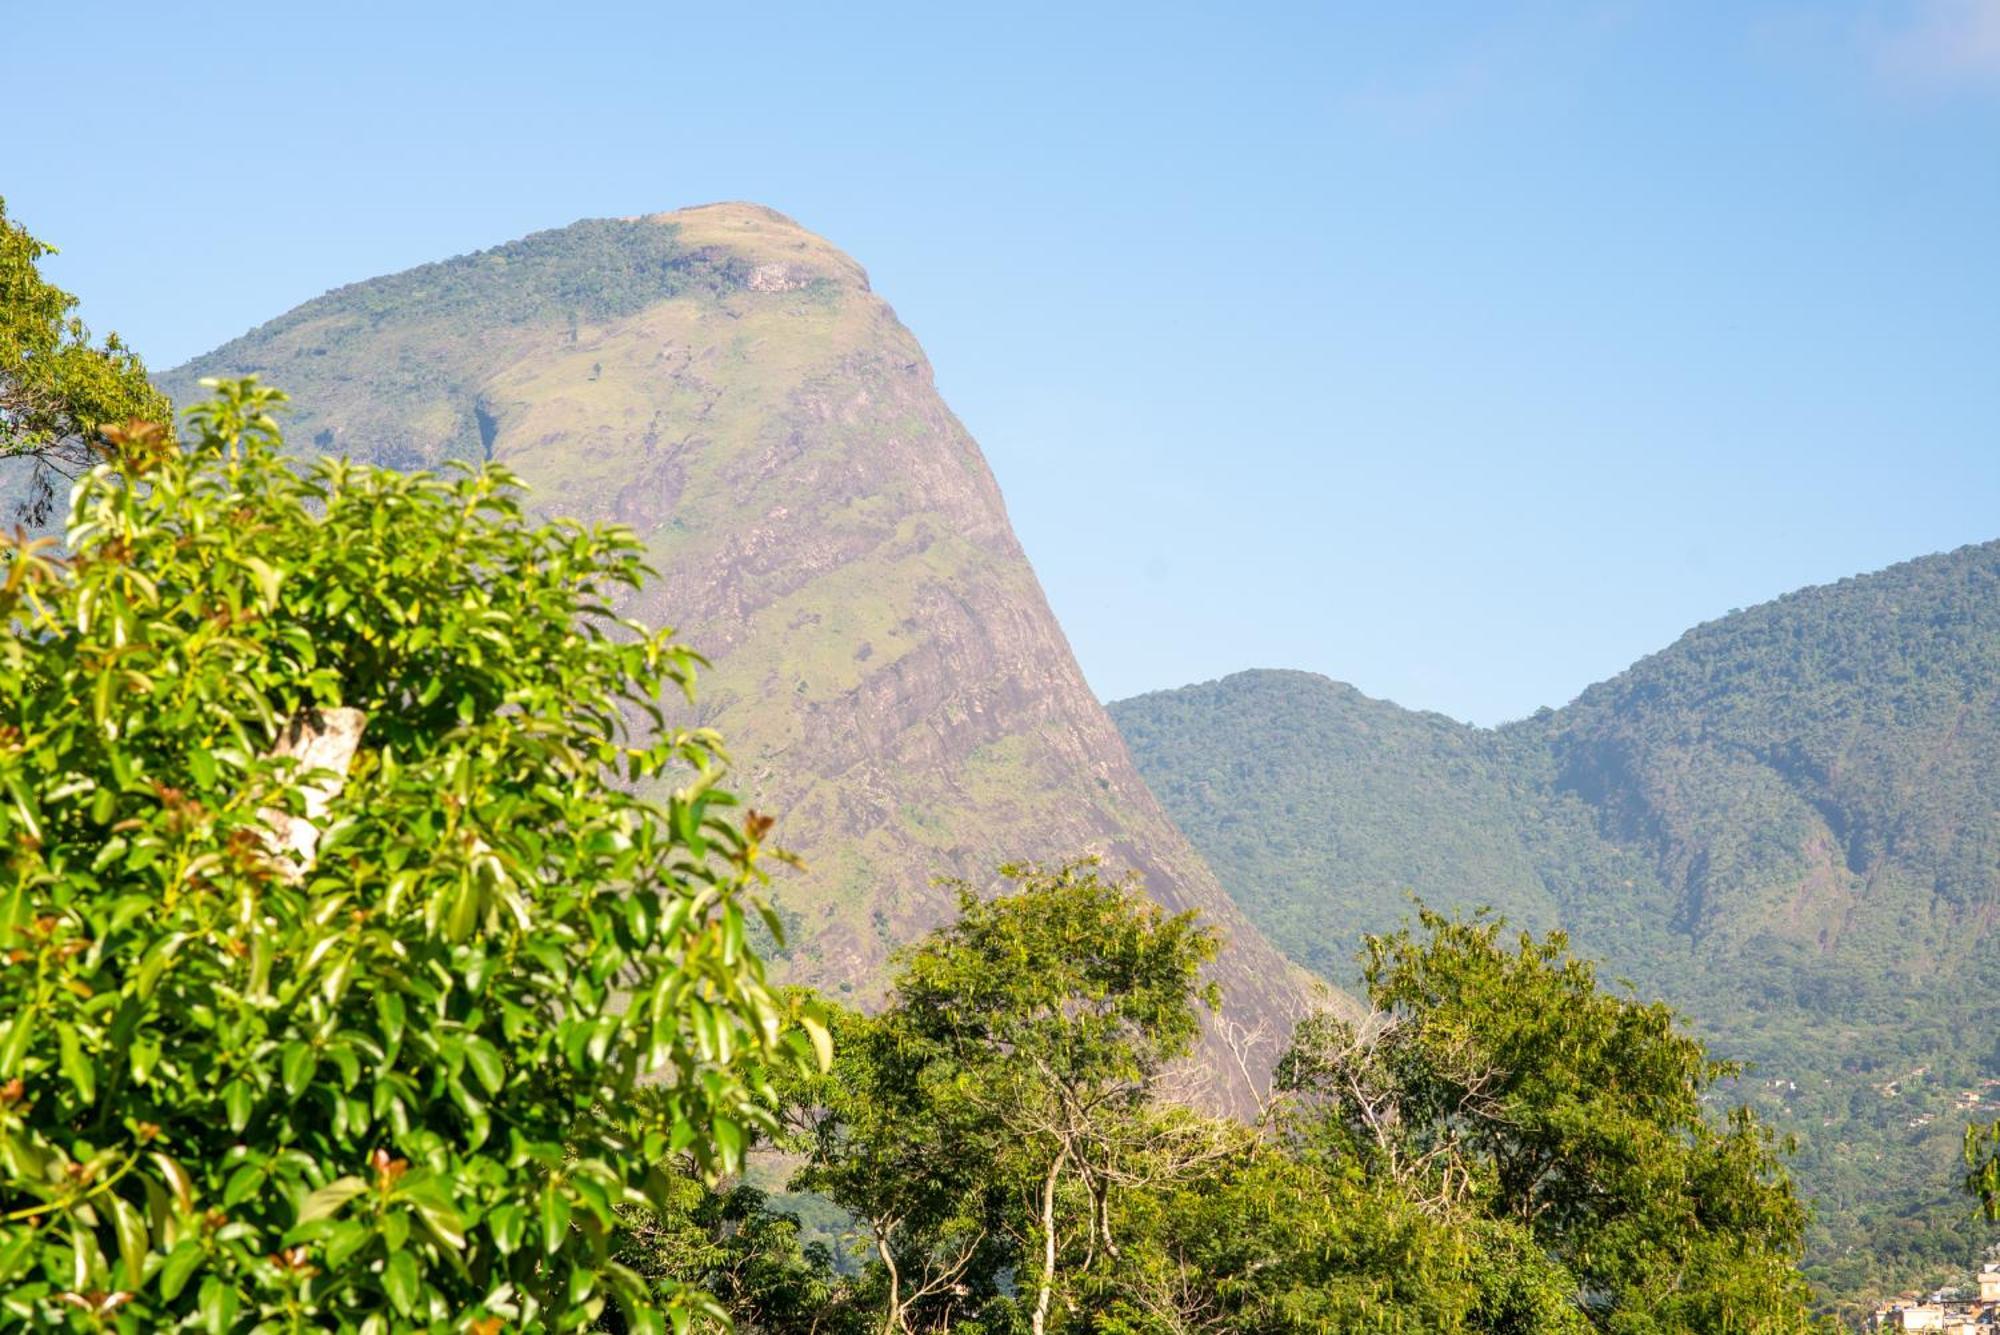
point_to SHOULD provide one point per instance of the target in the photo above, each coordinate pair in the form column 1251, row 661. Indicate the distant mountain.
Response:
column 1323, row 807
column 886, row 670
column 1787, row 824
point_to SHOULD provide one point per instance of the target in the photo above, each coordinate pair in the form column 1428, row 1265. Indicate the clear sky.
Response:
column 1463, row 352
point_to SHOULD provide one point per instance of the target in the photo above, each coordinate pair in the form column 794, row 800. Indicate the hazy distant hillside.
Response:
column 886, row 670
column 1788, row 823
column 1290, row 781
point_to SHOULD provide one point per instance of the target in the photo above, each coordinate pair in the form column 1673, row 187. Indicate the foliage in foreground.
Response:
column 1503, row 1147
column 58, row 389
column 290, row 1040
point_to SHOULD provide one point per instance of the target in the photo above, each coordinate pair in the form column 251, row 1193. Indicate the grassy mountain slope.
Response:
column 886, row 670
column 1787, row 823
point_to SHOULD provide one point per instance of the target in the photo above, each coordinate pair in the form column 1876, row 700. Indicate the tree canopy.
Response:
column 979, row 1125
column 1503, row 1147
column 58, row 389
column 1500, row 1086
column 340, row 953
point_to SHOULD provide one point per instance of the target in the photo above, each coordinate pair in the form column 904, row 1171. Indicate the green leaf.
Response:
column 181, row 1263
column 389, row 1011
column 728, row 1142
column 342, row 1056
column 327, row 1201
column 133, row 1241
column 242, row 1183
column 14, row 1252
column 144, row 1056
column 157, row 959
column 24, row 805
column 75, row 1065
column 641, row 1317
column 346, row 1239
column 401, row 1283
column 218, row 1304
column 20, row 1033
column 485, row 1061
column 395, row 1229
column 555, row 1218
column 176, row 1179
column 296, row 1066
column 507, row 1223
column 444, row 1222
column 268, row 580
column 822, row 1041
column 237, row 1099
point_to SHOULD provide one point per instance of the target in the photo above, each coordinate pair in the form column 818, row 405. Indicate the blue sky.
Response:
column 1463, row 352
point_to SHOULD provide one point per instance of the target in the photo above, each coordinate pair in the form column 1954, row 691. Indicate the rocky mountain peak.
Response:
column 885, row 668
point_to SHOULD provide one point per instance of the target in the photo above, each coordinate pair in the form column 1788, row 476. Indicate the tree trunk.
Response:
column 893, row 1319
column 1048, row 1285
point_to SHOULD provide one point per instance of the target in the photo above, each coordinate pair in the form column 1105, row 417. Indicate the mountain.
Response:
column 1787, row 824
column 886, row 670
column 1322, row 807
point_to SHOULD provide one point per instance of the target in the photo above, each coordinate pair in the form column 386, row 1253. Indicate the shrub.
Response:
column 293, row 1041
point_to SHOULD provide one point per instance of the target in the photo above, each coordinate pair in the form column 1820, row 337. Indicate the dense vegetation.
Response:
column 1504, row 1146
column 594, row 270
column 1784, row 824
column 339, row 957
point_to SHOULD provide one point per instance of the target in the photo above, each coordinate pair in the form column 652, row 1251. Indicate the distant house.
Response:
column 1942, row 1317
column 1947, row 1311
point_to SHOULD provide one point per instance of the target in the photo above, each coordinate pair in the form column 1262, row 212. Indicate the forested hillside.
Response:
column 1787, row 824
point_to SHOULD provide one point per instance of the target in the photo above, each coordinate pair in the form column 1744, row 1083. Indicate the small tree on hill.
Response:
column 334, row 965
column 1982, row 1158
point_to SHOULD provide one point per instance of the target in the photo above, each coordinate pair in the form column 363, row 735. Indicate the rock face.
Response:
column 886, row 671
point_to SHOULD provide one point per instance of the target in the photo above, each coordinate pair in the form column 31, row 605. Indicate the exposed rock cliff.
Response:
column 886, row 670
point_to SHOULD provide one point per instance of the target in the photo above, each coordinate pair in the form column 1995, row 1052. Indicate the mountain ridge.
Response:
column 1786, row 823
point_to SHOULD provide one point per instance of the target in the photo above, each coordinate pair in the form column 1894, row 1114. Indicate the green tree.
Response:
column 1273, row 1239
column 1504, row 1088
column 58, row 389
column 893, row 1136
column 336, row 962
column 984, row 1124
column 728, row 1241
column 1982, row 1159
